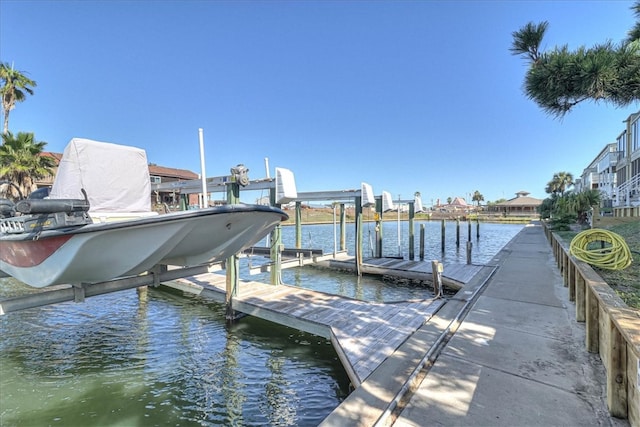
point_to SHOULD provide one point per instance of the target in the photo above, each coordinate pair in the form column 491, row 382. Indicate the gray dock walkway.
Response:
column 504, row 351
column 454, row 275
column 363, row 333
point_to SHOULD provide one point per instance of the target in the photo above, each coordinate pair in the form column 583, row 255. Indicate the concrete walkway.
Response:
column 518, row 357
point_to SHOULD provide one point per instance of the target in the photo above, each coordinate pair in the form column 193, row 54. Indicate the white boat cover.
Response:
column 115, row 177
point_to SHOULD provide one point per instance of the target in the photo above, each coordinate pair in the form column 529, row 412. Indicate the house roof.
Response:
column 521, row 201
column 459, row 201
column 55, row 156
column 153, row 169
column 172, row 172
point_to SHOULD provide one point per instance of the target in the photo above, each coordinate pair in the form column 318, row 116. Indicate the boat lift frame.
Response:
column 233, row 183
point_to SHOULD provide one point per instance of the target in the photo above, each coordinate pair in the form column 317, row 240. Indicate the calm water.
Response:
column 162, row 359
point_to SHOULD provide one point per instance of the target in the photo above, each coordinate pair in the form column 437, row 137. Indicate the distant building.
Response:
column 521, row 205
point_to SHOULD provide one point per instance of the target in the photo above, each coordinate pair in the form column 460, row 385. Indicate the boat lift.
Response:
column 384, row 203
column 282, row 190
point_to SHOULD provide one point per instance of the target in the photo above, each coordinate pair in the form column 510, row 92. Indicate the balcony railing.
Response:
column 628, row 193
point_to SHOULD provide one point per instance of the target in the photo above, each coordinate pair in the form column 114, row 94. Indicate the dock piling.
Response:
column 436, row 271
column 421, row 242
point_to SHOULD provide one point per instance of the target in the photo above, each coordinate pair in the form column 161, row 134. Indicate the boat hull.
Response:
column 105, row 251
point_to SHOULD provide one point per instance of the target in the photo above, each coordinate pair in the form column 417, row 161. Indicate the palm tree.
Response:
column 14, row 86
column 21, row 161
column 477, row 197
column 560, row 183
column 559, row 79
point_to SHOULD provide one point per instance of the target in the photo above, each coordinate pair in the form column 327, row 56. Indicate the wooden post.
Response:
column 359, row 235
column 469, row 232
column 571, row 273
column 436, row 272
column 617, row 373
column 469, row 245
column 442, row 234
column 412, row 214
column 231, row 263
column 421, row 242
column 298, row 224
column 592, row 333
column 580, row 297
column 477, row 228
column 457, row 232
column 275, row 242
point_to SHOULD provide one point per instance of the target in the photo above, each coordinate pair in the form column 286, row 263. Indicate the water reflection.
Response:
column 156, row 359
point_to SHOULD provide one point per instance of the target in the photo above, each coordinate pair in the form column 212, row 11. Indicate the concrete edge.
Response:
column 382, row 395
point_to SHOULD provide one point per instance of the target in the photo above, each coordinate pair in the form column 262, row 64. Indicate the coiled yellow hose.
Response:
column 617, row 256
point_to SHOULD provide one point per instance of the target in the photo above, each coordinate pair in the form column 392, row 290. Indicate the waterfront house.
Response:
column 627, row 195
column 601, row 175
column 521, row 205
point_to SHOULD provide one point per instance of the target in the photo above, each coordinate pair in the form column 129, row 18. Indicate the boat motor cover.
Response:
column 37, row 206
column 115, row 177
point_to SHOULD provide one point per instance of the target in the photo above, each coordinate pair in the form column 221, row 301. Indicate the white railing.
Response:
column 628, row 194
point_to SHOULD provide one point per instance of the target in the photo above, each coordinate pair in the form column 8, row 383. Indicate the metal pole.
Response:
column 358, row 212
column 399, row 242
column 379, row 223
column 203, row 203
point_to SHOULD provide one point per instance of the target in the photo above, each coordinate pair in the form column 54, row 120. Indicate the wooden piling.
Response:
column 457, row 232
column 412, row 214
column 436, row 272
column 421, row 242
column 379, row 223
column 442, row 234
column 298, row 224
column 231, row 264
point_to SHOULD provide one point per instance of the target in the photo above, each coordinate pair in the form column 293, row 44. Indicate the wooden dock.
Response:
column 363, row 333
column 454, row 275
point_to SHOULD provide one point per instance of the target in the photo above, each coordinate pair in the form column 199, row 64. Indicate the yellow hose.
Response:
column 617, row 256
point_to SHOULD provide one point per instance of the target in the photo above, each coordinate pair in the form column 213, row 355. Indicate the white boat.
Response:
column 59, row 241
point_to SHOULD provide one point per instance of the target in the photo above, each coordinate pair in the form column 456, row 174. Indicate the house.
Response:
column 627, row 195
column 522, row 205
column 160, row 174
column 157, row 174
column 601, row 175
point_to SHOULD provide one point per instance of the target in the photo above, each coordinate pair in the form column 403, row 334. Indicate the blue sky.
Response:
column 406, row 96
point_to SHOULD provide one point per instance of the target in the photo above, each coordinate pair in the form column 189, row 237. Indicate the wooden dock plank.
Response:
column 365, row 333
